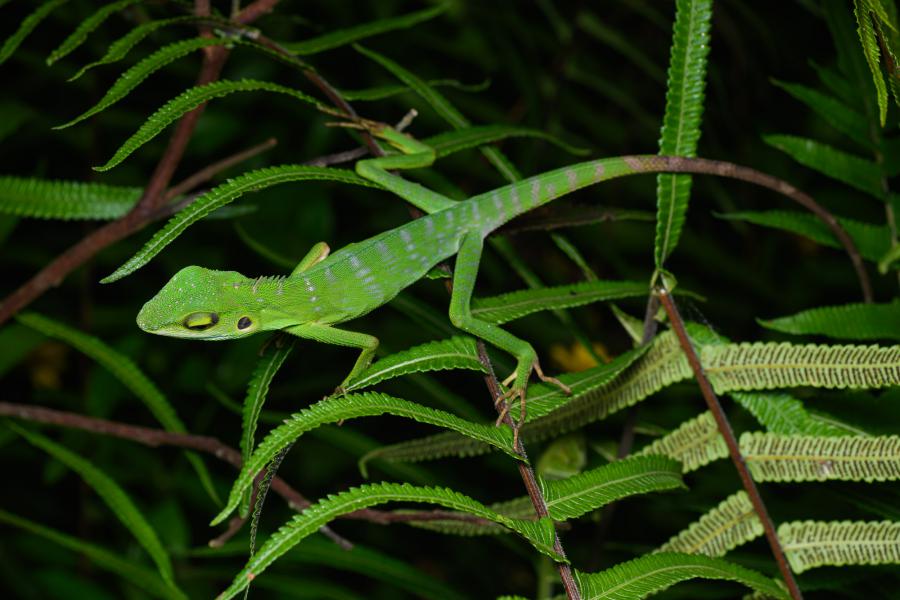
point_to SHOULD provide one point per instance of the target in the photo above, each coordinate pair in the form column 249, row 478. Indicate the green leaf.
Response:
column 144, row 579
column 831, row 110
column 872, row 241
column 120, row 48
column 871, row 51
column 681, row 123
column 55, row 199
column 342, row 37
column 695, row 443
column 770, row 365
column 449, row 142
column 730, row 524
column 383, row 92
column 845, row 322
column 136, row 75
column 113, row 495
column 774, row 457
column 810, row 544
column 128, row 373
column 574, row 496
column 540, row 534
column 515, row 305
column 86, row 26
column 653, row 573
column 26, row 27
column 458, row 352
column 782, row 413
column 223, row 194
column 189, row 100
column 853, row 170
column 351, row 406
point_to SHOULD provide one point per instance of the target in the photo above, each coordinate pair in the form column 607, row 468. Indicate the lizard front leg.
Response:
column 467, row 262
column 340, row 337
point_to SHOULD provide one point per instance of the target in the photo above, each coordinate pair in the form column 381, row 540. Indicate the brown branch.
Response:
column 733, row 449
column 527, row 473
column 255, row 11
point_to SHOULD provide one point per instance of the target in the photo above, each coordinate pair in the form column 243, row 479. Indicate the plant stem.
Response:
column 725, row 429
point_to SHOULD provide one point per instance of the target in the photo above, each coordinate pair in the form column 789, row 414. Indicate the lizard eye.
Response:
column 244, row 323
column 201, row 320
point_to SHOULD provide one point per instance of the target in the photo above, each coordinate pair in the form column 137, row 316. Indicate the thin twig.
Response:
column 205, row 174
column 527, row 474
column 733, row 449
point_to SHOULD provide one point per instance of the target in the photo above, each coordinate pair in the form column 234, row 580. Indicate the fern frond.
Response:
column 653, row 573
column 126, row 568
column 831, row 110
column 26, row 27
column 67, row 200
column 383, row 92
column 136, row 75
column 871, row 50
column 539, row 533
column 351, row 406
column 86, row 26
column 458, row 352
column 120, row 48
column 450, row 142
column 765, row 365
column 113, row 495
column 774, row 457
column 515, row 305
column 695, row 443
column 342, row 37
column 574, row 496
column 730, row 524
column 811, row 544
column 846, row 322
column 681, row 122
column 851, row 169
column 872, row 241
column 223, row 194
column 189, row 100
column 782, row 413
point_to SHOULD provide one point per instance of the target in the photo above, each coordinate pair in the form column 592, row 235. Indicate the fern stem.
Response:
column 527, row 473
column 728, row 433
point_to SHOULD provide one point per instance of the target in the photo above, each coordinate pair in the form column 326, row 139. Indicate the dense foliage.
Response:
column 121, row 447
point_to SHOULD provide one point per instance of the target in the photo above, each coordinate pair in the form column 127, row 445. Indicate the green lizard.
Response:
column 324, row 291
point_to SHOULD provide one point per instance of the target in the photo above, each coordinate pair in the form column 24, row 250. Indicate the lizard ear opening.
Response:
column 201, row 320
column 244, row 323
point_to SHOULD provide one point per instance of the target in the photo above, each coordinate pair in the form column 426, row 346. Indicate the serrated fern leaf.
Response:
column 574, row 496
column 257, row 391
column 514, row 305
column 810, row 544
column 774, row 457
column 189, row 100
column 458, row 352
column 871, row 50
column 851, row 169
column 730, row 524
column 872, row 241
column 695, row 443
column 125, row 568
column 681, row 122
column 223, row 194
column 653, row 573
column 113, row 495
column 128, row 373
column 833, row 111
column 120, row 48
column 134, row 76
column 450, row 142
column 342, row 37
column 26, row 27
column 86, row 26
column 846, row 322
column 539, row 533
column 351, row 406
column 782, row 413
column 55, row 199
column 765, row 365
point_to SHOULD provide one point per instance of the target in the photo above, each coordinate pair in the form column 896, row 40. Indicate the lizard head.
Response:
column 203, row 304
